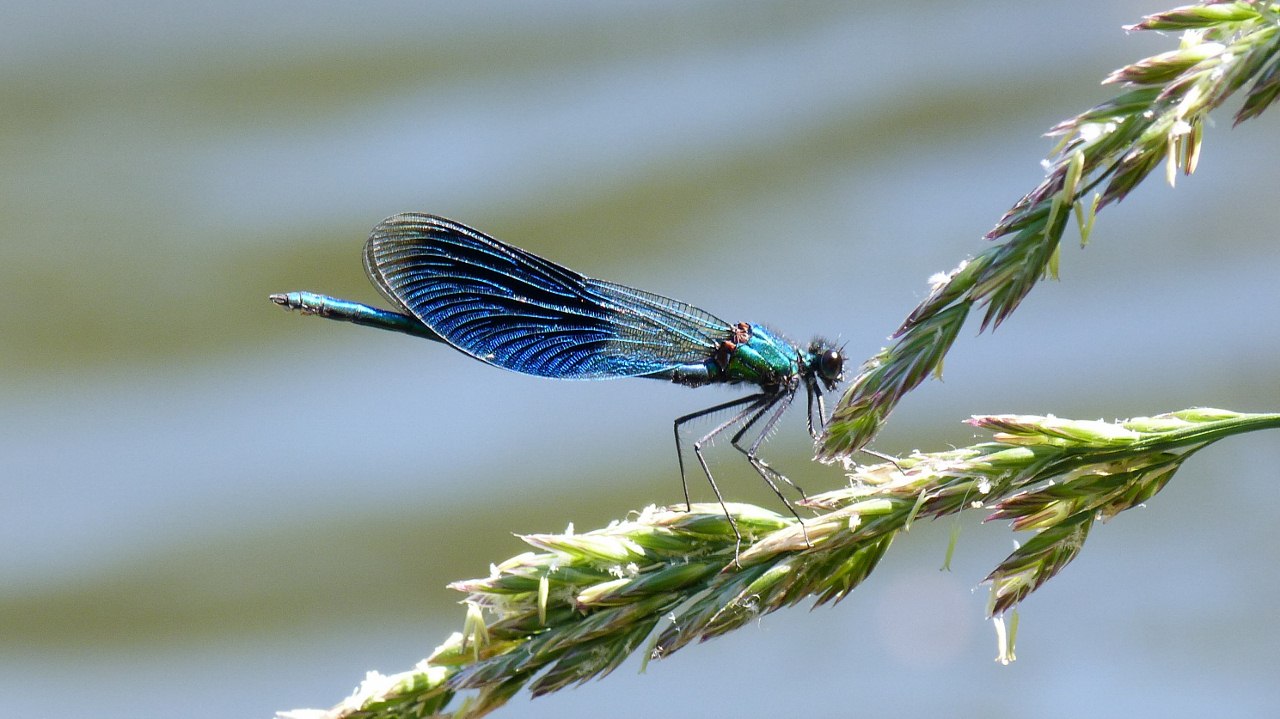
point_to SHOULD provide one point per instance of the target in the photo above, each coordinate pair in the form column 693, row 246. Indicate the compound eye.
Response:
column 831, row 365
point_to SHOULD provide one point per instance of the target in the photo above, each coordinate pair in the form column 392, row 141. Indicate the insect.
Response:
column 512, row 309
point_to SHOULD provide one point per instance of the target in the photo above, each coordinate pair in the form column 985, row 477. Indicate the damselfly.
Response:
column 512, row 309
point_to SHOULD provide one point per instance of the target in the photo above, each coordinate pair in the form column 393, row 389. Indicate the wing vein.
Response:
column 513, row 309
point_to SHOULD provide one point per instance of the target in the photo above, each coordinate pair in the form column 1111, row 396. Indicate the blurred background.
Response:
column 213, row 508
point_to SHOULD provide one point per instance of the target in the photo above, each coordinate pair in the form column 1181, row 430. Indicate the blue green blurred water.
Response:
column 216, row 509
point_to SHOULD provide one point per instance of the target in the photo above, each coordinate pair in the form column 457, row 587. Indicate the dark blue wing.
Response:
column 513, row 309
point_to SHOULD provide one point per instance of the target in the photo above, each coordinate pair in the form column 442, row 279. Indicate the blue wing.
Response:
column 515, row 310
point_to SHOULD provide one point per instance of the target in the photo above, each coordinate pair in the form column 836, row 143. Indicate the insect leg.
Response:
column 762, row 468
column 769, row 473
column 702, row 413
column 746, row 427
column 761, row 404
column 812, row 392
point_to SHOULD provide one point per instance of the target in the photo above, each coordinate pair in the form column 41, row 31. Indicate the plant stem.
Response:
column 580, row 604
